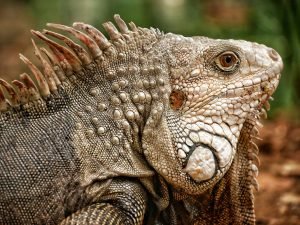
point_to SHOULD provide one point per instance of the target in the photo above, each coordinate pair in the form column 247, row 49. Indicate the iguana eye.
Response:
column 227, row 61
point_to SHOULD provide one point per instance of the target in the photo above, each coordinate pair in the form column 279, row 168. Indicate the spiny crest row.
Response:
column 63, row 62
column 253, row 150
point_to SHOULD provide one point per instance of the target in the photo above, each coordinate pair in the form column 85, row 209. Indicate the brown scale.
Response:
column 177, row 98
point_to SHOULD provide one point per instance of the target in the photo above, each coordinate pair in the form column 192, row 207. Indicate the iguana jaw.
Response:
column 211, row 153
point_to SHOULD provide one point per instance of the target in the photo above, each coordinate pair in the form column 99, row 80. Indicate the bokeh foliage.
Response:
column 275, row 23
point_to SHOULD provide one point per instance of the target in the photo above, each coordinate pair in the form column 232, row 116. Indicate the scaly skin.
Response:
column 144, row 128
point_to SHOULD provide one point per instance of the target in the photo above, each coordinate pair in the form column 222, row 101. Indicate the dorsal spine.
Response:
column 61, row 66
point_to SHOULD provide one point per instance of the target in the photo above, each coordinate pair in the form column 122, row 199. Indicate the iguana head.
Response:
column 215, row 85
column 183, row 100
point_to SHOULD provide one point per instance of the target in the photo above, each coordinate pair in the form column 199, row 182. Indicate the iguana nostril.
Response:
column 273, row 54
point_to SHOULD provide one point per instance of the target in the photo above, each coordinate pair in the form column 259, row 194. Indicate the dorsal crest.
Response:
column 61, row 65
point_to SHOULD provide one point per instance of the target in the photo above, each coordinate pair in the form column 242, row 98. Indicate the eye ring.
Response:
column 227, row 61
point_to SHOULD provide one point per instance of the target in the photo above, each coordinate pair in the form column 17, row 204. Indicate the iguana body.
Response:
column 144, row 128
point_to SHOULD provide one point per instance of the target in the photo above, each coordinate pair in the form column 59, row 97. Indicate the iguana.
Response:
column 140, row 128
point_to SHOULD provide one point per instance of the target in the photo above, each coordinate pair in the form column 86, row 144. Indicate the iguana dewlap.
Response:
column 140, row 128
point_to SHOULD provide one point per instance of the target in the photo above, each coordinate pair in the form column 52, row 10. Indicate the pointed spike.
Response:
column 133, row 27
column 56, row 66
column 3, row 103
column 64, row 63
column 42, row 83
column 33, row 93
column 59, row 26
column 254, row 147
column 263, row 113
column 66, row 53
column 267, row 105
column 79, row 51
column 121, row 24
column 254, row 158
column 258, row 123
column 14, row 98
column 23, row 92
column 112, row 31
column 255, row 131
column 50, row 75
column 254, row 170
column 50, row 57
column 99, row 38
column 255, row 184
column 85, row 39
column 256, row 138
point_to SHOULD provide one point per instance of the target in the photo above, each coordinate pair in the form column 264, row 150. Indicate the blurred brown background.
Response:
column 275, row 23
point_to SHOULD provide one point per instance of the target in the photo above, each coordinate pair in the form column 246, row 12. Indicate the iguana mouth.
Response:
column 268, row 89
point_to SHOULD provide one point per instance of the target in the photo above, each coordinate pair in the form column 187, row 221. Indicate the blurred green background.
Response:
column 275, row 23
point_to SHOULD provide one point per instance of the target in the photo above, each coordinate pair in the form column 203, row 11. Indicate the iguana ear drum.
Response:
column 177, row 98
